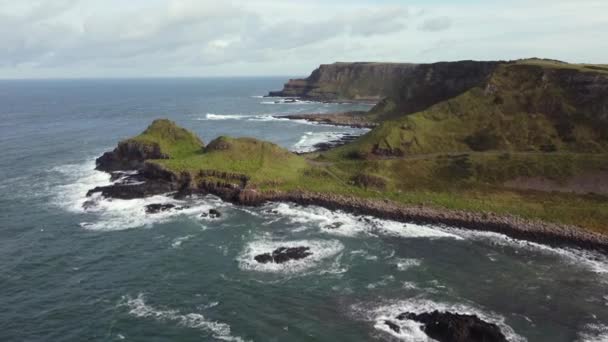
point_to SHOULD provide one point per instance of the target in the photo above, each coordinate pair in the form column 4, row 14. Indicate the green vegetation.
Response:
column 522, row 108
column 264, row 163
column 173, row 140
column 525, row 123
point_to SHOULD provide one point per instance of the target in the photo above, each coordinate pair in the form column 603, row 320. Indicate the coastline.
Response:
column 162, row 181
column 512, row 226
column 347, row 119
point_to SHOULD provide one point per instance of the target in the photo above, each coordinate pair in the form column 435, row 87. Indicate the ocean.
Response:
column 115, row 273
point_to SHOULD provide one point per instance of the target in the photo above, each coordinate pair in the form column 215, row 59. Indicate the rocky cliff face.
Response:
column 348, row 81
column 427, row 84
column 129, row 155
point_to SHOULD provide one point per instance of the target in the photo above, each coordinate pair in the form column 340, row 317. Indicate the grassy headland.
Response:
column 531, row 122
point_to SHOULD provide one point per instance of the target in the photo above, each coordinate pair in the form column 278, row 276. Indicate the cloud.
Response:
column 52, row 35
column 436, row 24
column 208, row 37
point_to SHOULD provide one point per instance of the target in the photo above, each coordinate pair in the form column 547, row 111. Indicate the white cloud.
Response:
column 74, row 38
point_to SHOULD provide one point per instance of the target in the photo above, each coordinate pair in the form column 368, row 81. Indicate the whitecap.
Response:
column 213, row 116
column 406, row 264
column 345, row 224
column 594, row 333
column 320, row 249
column 177, row 242
column 594, row 261
column 411, row 331
column 138, row 308
column 308, row 141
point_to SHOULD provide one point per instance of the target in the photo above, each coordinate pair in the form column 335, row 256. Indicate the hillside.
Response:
column 528, row 106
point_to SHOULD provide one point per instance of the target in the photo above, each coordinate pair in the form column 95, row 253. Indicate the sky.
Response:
column 211, row 38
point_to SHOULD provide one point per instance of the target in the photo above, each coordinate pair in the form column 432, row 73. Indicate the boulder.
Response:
column 158, row 207
column 284, row 254
column 212, row 213
column 450, row 327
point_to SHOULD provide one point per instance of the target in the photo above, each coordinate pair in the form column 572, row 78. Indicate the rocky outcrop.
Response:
column 159, row 207
column 355, row 119
column 129, row 155
column 367, row 82
column 283, row 254
column 450, row 327
column 403, row 86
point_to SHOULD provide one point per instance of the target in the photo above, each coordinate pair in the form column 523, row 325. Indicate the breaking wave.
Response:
column 320, row 249
column 218, row 330
column 411, row 331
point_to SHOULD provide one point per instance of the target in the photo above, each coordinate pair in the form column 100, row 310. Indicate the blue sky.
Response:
column 147, row 38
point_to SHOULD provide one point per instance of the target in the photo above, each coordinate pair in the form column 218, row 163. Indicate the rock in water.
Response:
column 157, row 208
column 449, row 327
column 213, row 213
column 284, row 254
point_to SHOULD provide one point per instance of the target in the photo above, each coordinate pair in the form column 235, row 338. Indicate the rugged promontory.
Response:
column 366, row 82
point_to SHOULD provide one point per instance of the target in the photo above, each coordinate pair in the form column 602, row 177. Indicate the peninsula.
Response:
column 519, row 148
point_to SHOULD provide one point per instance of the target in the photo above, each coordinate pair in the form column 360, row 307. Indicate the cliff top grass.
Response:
column 175, row 141
column 263, row 162
column 554, row 64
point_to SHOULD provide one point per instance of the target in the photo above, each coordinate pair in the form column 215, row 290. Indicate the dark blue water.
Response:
column 114, row 273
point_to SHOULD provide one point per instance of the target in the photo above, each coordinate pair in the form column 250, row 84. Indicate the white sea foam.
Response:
column 411, row 331
column 406, row 264
column 117, row 214
column 310, row 139
column 384, row 281
column 78, row 179
column 593, row 261
column 594, row 333
column 344, row 224
column 288, row 101
column 320, row 249
column 138, row 308
column 177, row 242
column 212, row 116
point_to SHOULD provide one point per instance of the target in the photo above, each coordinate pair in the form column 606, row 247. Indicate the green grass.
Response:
column 265, row 163
column 173, row 140
column 545, row 63
column 522, row 109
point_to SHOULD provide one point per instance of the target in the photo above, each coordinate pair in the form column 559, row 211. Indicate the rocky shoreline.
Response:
column 355, row 119
column 153, row 180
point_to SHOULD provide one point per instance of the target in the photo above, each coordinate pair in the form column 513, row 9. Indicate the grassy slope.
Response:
column 479, row 120
column 173, row 140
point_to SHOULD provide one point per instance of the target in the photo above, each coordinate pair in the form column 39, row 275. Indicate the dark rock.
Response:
column 394, row 327
column 158, row 207
column 284, row 254
column 214, row 213
column 132, row 191
column 129, row 155
column 335, row 225
column 449, row 327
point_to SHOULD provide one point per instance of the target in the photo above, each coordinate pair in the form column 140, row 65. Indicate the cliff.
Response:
column 369, row 82
column 525, row 106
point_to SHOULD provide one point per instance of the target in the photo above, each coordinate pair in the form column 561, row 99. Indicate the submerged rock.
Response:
column 213, row 213
column 449, row 327
column 159, row 207
column 283, row 255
